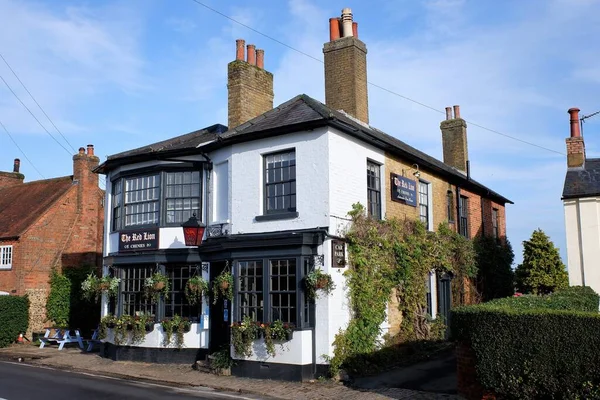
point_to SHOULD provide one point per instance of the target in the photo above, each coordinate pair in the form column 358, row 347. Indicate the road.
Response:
column 28, row 382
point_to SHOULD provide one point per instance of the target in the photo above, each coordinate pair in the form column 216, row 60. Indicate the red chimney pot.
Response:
column 575, row 128
column 334, row 29
column 239, row 49
column 456, row 111
column 448, row 113
column 260, row 58
column 251, row 54
column 16, row 165
column 90, row 149
column 355, row 29
column 81, row 150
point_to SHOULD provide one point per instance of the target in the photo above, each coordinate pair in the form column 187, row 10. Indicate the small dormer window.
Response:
column 6, row 257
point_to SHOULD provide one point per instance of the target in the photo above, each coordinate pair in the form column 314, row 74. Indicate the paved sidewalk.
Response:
column 183, row 375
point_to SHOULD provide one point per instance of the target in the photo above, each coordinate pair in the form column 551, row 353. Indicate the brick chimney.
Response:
column 346, row 68
column 454, row 139
column 250, row 86
column 12, row 178
column 87, row 181
column 575, row 144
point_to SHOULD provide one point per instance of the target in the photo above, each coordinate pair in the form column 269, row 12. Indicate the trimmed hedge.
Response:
column 14, row 318
column 531, row 348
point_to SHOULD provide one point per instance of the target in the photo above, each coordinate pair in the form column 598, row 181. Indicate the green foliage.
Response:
column 58, row 306
column 222, row 286
column 14, row 318
column 318, row 280
column 542, row 270
column 155, row 286
column 243, row 335
column 178, row 326
column 195, row 288
column 394, row 254
column 532, row 347
column 494, row 262
column 221, row 360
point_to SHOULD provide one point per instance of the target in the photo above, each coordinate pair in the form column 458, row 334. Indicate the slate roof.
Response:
column 21, row 205
column 583, row 182
column 299, row 113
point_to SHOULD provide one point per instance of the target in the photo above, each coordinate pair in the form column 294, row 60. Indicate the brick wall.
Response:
column 346, row 77
column 454, row 141
column 575, row 151
column 10, row 179
column 250, row 92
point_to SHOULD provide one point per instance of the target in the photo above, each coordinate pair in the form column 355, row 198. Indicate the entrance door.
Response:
column 220, row 314
column 444, row 300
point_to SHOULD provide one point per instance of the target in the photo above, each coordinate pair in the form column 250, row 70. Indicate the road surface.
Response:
column 27, row 382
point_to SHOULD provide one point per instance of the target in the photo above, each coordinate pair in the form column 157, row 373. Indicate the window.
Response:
column 175, row 301
column 495, row 222
column 450, row 206
column 182, row 196
column 282, row 294
column 142, row 200
column 267, row 290
column 374, row 190
column 280, row 182
column 133, row 301
column 117, row 204
column 6, row 257
column 424, row 203
column 250, row 289
column 463, row 215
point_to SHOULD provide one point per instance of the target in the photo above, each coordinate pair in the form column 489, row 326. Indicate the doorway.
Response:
column 220, row 313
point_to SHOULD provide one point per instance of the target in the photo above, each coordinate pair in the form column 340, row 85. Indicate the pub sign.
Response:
column 138, row 240
column 404, row 190
column 338, row 253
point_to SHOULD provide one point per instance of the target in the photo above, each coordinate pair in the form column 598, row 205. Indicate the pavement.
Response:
column 183, row 376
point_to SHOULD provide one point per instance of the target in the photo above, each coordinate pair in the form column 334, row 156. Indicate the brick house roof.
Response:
column 21, row 205
column 583, row 182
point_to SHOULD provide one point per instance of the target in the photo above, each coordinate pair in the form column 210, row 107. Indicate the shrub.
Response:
column 14, row 318
column 534, row 346
column 58, row 306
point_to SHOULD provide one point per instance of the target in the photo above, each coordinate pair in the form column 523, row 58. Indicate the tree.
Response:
column 542, row 270
column 495, row 276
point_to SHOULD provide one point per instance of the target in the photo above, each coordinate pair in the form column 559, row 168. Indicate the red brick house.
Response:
column 46, row 224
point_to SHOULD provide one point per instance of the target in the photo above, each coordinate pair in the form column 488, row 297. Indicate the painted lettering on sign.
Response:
column 338, row 254
column 138, row 240
column 404, row 190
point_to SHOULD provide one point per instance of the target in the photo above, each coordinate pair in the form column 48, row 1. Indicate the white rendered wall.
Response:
column 297, row 351
column 247, row 193
column 582, row 225
column 196, row 338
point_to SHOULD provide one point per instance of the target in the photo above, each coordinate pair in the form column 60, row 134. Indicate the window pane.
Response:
column 250, row 297
column 182, row 195
column 280, row 182
column 283, row 290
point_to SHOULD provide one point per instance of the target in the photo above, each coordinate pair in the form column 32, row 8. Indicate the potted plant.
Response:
column 107, row 322
column 276, row 331
column 121, row 328
column 89, row 287
column 318, row 280
column 177, row 325
column 109, row 285
column 242, row 335
column 140, row 326
column 155, row 286
column 195, row 288
column 220, row 362
column 222, row 286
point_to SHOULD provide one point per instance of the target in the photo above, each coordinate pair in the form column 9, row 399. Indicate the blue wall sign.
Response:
column 404, row 190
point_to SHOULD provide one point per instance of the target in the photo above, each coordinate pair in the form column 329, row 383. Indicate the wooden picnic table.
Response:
column 61, row 336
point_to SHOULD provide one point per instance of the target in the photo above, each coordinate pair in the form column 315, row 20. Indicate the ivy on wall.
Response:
column 395, row 254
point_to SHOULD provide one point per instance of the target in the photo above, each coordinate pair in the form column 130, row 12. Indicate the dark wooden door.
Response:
column 220, row 314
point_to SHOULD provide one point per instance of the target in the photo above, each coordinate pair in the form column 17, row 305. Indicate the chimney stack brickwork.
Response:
column 454, row 140
column 13, row 178
column 346, row 69
column 575, row 143
column 249, row 85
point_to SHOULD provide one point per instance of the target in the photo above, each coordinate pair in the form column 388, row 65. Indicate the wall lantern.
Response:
column 193, row 231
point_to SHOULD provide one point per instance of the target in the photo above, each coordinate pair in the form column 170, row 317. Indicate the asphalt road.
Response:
column 26, row 382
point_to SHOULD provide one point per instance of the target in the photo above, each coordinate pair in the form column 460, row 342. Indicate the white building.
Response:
column 581, row 199
column 274, row 192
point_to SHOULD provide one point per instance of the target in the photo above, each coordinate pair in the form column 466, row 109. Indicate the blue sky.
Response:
column 123, row 74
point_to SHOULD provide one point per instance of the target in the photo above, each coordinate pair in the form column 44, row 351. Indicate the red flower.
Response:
column 518, row 294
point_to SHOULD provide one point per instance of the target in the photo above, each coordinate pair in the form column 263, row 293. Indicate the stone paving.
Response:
column 73, row 359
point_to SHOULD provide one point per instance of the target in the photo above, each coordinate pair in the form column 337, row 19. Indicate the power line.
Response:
column 21, row 150
column 36, row 102
column 371, row 83
column 34, row 117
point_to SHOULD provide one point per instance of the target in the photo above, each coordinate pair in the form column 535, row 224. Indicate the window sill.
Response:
column 275, row 217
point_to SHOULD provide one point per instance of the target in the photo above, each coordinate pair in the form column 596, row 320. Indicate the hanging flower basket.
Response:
column 195, row 288
column 222, row 286
column 155, row 286
column 90, row 287
column 109, row 285
column 317, row 281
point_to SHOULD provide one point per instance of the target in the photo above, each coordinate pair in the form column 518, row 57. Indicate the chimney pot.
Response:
column 456, row 112
column 16, row 165
column 90, row 149
column 81, row 150
column 239, row 49
column 251, row 54
column 448, row 113
column 260, row 58
column 346, row 22
column 334, row 29
column 355, row 29
column 575, row 128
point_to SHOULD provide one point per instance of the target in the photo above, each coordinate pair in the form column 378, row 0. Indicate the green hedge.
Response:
column 575, row 298
column 534, row 348
column 14, row 318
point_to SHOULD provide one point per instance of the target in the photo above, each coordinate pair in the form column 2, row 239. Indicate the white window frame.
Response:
column 429, row 202
column 4, row 250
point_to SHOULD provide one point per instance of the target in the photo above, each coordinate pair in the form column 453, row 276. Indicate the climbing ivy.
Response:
column 394, row 254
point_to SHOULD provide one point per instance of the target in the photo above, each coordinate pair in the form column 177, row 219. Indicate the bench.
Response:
column 93, row 341
column 60, row 337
